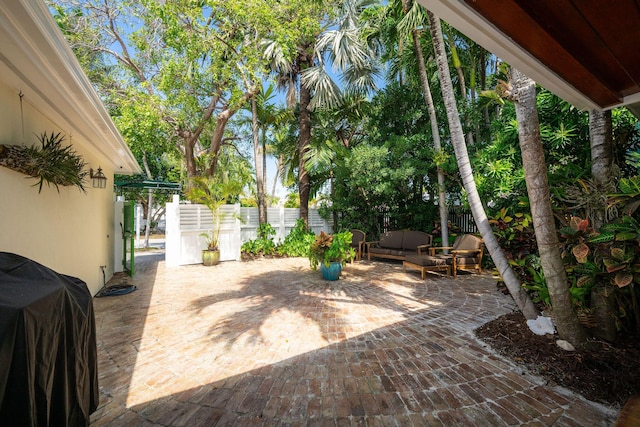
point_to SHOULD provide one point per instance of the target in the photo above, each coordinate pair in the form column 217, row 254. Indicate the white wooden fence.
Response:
column 186, row 222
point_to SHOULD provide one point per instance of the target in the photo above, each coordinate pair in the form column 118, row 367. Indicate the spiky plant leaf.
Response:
column 51, row 162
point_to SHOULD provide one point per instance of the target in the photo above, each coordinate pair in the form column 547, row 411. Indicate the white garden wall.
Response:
column 186, row 222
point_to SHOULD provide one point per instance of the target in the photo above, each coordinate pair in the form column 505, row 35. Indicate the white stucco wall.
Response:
column 70, row 231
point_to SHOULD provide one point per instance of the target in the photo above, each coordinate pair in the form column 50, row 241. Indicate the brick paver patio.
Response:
column 270, row 343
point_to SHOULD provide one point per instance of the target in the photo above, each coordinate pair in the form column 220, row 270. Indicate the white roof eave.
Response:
column 37, row 60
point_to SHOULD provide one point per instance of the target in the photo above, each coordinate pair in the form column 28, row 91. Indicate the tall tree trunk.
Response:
column 457, row 137
column 483, row 86
column 277, row 176
column 257, row 158
column 455, row 59
column 535, row 170
column 304, row 184
column 264, row 170
column 601, row 158
column 435, row 132
column 221, row 123
column 190, row 158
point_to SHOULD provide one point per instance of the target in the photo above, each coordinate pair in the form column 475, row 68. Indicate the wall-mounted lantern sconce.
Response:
column 98, row 180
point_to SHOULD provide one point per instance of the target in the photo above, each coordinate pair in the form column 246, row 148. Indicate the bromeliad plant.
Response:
column 328, row 248
column 51, row 163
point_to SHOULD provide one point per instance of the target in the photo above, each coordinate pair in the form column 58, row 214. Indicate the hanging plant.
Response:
column 51, row 163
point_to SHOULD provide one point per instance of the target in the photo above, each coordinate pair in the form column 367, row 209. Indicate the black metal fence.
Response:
column 463, row 220
column 460, row 220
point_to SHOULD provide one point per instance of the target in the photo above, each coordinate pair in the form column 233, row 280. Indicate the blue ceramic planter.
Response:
column 332, row 272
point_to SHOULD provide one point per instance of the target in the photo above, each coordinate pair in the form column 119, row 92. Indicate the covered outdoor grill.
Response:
column 48, row 360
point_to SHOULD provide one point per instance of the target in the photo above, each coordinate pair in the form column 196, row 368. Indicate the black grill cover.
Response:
column 48, row 356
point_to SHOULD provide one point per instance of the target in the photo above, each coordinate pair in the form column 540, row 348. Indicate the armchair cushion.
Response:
column 467, row 242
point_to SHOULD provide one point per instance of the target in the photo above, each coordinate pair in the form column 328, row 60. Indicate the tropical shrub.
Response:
column 264, row 244
column 328, row 248
column 297, row 242
column 604, row 261
column 514, row 231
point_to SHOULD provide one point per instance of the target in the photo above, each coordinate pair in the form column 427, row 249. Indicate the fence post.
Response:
column 282, row 226
column 237, row 232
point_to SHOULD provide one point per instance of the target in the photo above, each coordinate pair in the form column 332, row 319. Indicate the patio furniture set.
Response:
column 416, row 251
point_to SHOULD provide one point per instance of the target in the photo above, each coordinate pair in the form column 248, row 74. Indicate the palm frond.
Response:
column 361, row 79
column 272, row 50
column 416, row 18
column 327, row 94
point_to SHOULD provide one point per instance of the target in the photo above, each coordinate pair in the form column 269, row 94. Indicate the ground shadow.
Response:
column 380, row 348
column 304, row 291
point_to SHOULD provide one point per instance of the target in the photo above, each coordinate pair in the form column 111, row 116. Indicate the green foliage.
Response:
column 628, row 199
column 514, row 231
column 264, row 244
column 513, row 227
column 54, row 164
column 328, row 248
column 213, row 193
column 297, row 242
column 606, row 259
column 393, row 169
column 530, row 272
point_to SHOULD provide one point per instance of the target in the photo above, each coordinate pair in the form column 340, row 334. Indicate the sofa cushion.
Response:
column 391, row 240
column 400, row 252
column 382, row 251
column 412, row 239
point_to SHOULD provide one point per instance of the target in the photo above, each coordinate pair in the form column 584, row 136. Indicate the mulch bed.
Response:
column 608, row 373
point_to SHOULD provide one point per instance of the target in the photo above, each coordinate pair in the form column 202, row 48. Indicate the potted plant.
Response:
column 213, row 194
column 331, row 252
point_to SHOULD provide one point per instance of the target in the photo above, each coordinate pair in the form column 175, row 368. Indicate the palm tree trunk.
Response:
column 535, row 170
column 462, row 82
column 304, row 184
column 457, row 138
column 435, row 132
column 262, row 207
column 601, row 157
column 279, row 168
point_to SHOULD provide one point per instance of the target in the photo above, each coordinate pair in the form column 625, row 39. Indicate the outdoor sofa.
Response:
column 399, row 244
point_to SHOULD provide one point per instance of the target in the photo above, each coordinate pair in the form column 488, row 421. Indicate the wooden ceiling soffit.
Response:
column 562, row 37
